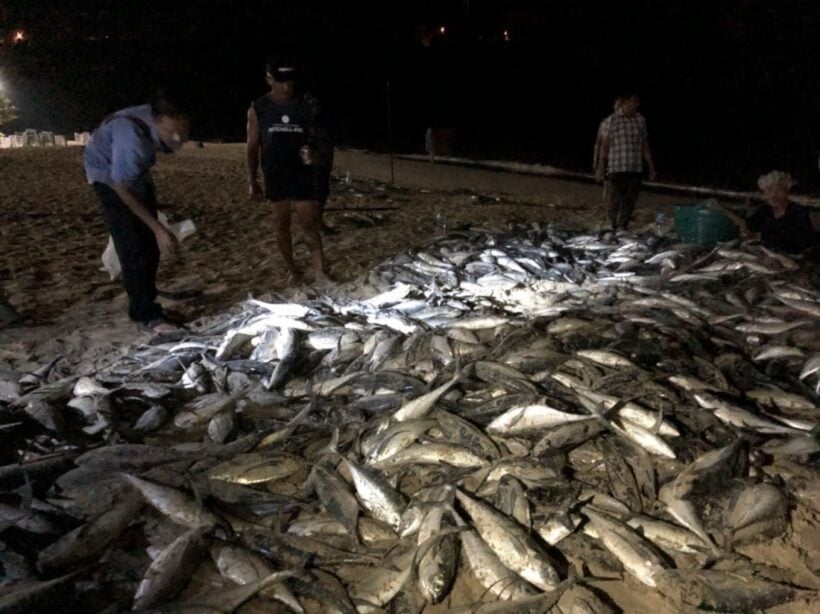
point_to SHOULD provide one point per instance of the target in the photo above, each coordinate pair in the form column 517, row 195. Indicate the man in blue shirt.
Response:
column 117, row 163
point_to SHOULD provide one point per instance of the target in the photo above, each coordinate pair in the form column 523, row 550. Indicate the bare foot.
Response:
column 323, row 277
column 294, row 280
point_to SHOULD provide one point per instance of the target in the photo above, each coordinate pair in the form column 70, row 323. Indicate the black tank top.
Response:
column 284, row 128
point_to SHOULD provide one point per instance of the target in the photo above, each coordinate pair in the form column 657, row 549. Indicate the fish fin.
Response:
column 509, row 581
column 599, row 412
column 658, row 423
column 333, row 444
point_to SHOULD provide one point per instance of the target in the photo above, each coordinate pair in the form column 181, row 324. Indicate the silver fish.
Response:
column 511, row 543
column 636, row 555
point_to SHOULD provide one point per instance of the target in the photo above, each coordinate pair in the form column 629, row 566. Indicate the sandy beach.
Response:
column 53, row 236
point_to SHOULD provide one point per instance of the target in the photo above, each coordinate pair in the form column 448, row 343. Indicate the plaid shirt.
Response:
column 627, row 136
column 603, row 130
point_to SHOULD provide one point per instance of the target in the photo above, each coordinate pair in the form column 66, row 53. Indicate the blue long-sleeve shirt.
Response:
column 123, row 149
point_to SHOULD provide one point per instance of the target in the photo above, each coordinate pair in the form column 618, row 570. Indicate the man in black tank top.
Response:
column 282, row 134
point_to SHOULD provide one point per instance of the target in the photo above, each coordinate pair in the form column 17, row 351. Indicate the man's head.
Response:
column 172, row 125
column 282, row 76
column 630, row 102
column 616, row 106
column 775, row 187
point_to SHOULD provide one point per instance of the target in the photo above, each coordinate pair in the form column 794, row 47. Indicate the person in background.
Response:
column 603, row 128
column 624, row 149
column 430, row 144
column 282, row 136
column 438, row 142
column 783, row 224
column 117, row 161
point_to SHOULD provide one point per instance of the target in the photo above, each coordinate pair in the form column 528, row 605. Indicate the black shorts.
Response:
column 286, row 184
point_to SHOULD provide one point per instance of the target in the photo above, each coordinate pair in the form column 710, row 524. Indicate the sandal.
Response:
column 182, row 295
column 161, row 326
column 323, row 278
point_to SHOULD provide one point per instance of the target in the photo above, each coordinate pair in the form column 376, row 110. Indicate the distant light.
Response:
column 19, row 36
column 506, row 36
column 442, row 30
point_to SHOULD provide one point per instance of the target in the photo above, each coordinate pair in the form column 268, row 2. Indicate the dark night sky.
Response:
column 730, row 89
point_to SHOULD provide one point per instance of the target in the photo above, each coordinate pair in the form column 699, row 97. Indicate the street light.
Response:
column 19, row 36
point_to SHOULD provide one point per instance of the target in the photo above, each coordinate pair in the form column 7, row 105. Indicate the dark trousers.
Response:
column 321, row 179
column 137, row 250
column 623, row 194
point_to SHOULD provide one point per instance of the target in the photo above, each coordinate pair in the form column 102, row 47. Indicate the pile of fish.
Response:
column 507, row 422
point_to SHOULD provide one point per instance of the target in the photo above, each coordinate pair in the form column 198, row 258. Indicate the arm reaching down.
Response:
column 166, row 241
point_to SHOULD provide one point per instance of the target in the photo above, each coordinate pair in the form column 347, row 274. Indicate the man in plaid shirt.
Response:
column 624, row 148
column 603, row 129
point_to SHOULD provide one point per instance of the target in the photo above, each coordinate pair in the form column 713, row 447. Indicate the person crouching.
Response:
column 117, row 161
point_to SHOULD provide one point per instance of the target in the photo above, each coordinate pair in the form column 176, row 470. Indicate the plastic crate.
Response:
column 701, row 224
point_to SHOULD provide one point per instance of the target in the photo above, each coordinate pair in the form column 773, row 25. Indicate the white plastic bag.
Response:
column 111, row 263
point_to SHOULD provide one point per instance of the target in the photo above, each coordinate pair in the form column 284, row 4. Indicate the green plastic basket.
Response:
column 699, row 223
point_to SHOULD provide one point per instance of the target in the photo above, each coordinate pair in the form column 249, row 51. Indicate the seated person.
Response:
column 783, row 225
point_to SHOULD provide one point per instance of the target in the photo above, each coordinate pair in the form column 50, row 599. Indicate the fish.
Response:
column 607, row 359
column 336, row 497
column 637, row 555
column 419, row 407
column 683, row 511
column 394, row 438
column 464, row 433
column 733, row 591
column 431, row 453
column 91, row 539
column 256, row 468
column 524, row 419
column 178, row 507
column 486, row 408
column 39, row 377
column 511, row 544
column 376, row 495
column 755, row 505
column 779, row 352
column 437, row 556
column 286, row 346
column 668, row 536
column 487, row 568
column 221, row 426
column 244, row 567
column 811, row 366
column 288, row 430
column 204, row 408
column 224, row 601
column 167, row 574
column 772, row 395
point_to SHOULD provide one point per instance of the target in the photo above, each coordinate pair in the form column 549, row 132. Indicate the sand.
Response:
column 53, row 236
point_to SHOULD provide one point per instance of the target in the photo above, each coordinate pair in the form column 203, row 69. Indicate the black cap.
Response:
column 284, row 73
